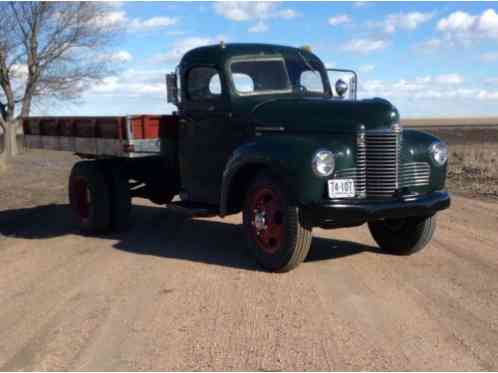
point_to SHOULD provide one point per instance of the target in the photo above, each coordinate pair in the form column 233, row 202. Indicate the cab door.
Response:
column 207, row 136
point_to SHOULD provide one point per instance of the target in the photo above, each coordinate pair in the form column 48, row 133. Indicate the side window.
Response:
column 215, row 85
column 203, row 83
column 312, row 81
column 243, row 82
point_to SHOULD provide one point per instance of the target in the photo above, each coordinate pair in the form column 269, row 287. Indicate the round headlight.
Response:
column 323, row 163
column 439, row 153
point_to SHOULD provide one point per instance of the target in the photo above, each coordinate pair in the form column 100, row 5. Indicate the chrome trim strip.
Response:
column 270, row 129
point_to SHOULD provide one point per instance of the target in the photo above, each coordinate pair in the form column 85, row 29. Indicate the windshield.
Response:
column 274, row 75
column 306, row 75
column 260, row 76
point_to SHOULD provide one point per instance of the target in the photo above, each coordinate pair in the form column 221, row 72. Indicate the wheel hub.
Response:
column 267, row 219
column 259, row 221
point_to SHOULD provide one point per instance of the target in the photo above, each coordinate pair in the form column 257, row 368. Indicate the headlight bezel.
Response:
column 436, row 150
column 318, row 156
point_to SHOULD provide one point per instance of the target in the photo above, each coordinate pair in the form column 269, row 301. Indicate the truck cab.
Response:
column 271, row 116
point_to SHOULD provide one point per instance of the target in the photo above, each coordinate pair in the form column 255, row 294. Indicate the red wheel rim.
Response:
column 267, row 219
column 82, row 198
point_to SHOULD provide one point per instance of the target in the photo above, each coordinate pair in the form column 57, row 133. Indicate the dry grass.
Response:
column 474, row 169
column 415, row 122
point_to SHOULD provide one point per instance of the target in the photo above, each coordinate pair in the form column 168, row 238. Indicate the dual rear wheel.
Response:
column 99, row 196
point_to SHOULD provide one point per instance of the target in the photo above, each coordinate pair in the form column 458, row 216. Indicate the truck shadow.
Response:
column 159, row 232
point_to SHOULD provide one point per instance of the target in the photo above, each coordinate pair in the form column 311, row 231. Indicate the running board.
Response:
column 194, row 209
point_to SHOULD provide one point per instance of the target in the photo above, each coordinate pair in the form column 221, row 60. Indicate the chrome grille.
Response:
column 379, row 172
column 414, row 174
column 361, row 163
column 382, row 163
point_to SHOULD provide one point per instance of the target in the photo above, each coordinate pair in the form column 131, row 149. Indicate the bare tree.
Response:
column 48, row 51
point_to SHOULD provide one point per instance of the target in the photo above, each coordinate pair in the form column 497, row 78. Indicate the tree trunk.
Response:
column 10, row 148
column 12, row 138
column 4, row 149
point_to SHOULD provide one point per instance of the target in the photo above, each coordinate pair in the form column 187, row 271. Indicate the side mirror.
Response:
column 341, row 87
column 172, row 88
column 346, row 83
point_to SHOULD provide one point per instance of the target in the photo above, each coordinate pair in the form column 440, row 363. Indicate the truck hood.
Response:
column 325, row 114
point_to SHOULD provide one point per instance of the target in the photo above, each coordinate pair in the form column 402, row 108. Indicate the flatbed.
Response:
column 99, row 137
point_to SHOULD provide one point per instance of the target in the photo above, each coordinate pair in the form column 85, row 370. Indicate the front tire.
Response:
column 278, row 233
column 403, row 236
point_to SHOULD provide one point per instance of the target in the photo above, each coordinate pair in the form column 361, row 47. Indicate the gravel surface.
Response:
column 181, row 294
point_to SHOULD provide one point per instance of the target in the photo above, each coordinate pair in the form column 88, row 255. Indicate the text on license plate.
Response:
column 341, row 188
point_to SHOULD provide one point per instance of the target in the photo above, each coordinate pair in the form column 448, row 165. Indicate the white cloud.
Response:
column 372, row 85
column 118, row 19
column 450, row 79
column 487, row 95
column 407, row 86
column 132, row 83
column 244, row 11
column 431, row 45
column 423, row 79
column 287, row 14
column 339, row 20
column 111, row 20
column 115, row 4
column 365, row 45
column 466, row 27
column 253, row 11
column 151, row 23
column 121, row 56
column 366, row 68
column 259, row 27
column 456, row 21
column 19, row 70
column 489, row 56
column 402, row 21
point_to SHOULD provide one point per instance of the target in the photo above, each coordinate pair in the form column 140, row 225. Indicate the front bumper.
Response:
column 347, row 213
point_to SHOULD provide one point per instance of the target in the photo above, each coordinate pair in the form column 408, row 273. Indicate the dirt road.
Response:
column 175, row 293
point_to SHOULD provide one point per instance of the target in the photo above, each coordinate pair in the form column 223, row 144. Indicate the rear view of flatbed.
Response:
column 98, row 137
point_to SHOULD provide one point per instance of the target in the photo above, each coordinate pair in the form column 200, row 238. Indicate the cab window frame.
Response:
column 257, row 58
column 213, row 98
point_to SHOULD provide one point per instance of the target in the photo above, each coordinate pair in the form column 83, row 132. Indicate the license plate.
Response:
column 341, row 188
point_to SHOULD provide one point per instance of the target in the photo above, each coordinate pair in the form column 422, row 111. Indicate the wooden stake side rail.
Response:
column 120, row 136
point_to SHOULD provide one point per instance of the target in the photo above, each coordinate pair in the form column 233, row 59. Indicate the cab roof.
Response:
column 218, row 54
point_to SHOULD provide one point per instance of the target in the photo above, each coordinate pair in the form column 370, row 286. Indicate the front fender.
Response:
column 416, row 149
column 287, row 156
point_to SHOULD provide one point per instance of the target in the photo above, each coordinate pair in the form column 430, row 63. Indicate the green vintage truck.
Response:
column 268, row 131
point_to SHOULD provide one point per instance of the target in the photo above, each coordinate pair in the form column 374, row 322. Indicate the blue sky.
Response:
column 429, row 59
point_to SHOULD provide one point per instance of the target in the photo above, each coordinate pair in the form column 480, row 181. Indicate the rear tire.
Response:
column 89, row 197
column 278, row 233
column 403, row 236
